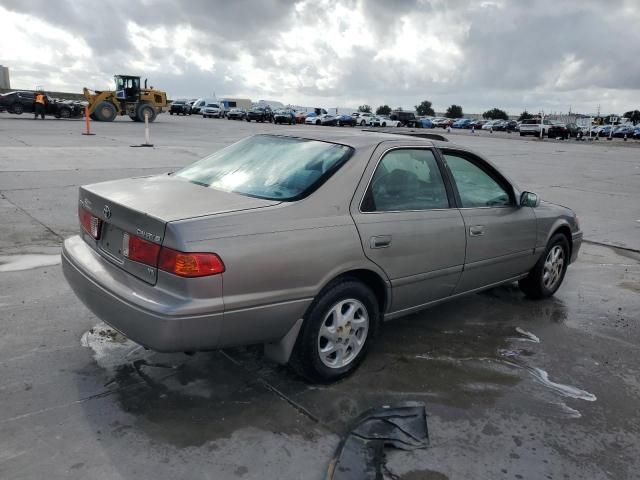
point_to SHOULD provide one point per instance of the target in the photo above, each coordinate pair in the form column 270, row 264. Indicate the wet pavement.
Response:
column 514, row 389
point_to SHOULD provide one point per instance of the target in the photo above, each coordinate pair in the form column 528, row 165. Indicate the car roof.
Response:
column 361, row 140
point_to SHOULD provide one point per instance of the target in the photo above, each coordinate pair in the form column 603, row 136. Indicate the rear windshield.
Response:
column 269, row 166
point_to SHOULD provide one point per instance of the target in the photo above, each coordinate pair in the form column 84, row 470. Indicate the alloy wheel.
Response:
column 343, row 333
column 553, row 267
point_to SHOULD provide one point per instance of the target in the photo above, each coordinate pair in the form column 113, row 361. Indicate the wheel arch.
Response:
column 565, row 230
column 372, row 279
column 280, row 351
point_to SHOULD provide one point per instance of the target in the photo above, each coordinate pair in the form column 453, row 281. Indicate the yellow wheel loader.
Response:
column 127, row 99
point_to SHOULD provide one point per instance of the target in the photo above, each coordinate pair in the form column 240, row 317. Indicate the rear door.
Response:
column 407, row 226
column 501, row 236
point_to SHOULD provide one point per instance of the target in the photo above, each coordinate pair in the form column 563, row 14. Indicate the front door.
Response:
column 501, row 236
column 409, row 226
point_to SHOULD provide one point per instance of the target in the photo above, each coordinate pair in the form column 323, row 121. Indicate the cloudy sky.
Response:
column 512, row 54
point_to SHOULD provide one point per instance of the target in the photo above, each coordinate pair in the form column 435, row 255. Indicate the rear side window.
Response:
column 406, row 179
column 270, row 167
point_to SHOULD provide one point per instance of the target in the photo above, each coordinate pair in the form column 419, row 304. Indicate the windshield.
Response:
column 270, row 167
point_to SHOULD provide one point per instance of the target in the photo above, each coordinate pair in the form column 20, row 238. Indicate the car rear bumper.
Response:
column 146, row 314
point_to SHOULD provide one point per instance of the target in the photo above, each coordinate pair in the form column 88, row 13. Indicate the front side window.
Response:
column 270, row 167
column 406, row 179
column 475, row 186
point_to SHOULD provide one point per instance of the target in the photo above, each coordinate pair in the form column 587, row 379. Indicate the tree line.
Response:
column 425, row 108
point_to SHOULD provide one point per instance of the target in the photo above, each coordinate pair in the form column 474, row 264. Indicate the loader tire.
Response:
column 105, row 112
column 149, row 110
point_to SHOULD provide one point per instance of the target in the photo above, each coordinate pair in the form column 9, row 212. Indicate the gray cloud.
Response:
column 479, row 54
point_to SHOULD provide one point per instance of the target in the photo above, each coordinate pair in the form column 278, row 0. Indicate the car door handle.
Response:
column 381, row 241
column 476, row 231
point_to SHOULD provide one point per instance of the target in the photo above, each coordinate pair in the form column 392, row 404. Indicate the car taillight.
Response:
column 139, row 250
column 189, row 264
column 89, row 223
column 172, row 261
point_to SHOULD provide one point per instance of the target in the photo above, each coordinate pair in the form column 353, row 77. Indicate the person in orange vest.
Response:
column 40, row 101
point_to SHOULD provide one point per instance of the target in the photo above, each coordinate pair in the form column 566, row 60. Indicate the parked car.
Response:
column 284, row 116
column 406, row 119
column 259, row 114
column 236, row 114
column 441, row 122
column 225, row 252
column 477, row 124
column 424, row 122
column 558, row 130
column 489, row 125
column 325, row 119
column 362, row 118
column 197, row 106
column 636, row 132
column 180, row 107
column 212, row 110
column 605, row 130
column 20, row 102
column 383, row 122
column 623, row 130
column 462, row 123
column 573, row 129
column 532, row 127
column 505, row 125
column 344, row 120
column 300, row 117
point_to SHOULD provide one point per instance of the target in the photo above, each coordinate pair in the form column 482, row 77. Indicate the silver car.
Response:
column 307, row 244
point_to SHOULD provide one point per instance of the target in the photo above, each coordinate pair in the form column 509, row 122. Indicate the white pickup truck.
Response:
column 532, row 127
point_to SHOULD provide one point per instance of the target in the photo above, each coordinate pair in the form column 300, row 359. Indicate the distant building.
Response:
column 4, row 77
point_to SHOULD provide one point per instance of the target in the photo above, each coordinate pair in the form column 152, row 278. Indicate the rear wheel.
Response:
column 18, row 109
column 148, row 110
column 64, row 113
column 337, row 331
column 547, row 275
column 105, row 112
column 363, row 123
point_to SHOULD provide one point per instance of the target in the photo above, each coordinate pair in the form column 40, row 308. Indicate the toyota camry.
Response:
column 305, row 244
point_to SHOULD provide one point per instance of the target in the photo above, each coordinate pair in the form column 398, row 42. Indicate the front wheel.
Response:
column 337, row 331
column 547, row 275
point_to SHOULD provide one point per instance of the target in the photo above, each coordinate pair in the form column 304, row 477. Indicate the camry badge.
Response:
column 106, row 211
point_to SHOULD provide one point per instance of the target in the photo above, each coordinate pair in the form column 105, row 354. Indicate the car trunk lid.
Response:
column 143, row 207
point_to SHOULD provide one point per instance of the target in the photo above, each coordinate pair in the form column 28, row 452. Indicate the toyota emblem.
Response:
column 106, row 211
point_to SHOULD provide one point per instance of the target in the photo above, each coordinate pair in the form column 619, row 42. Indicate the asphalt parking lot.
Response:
column 515, row 389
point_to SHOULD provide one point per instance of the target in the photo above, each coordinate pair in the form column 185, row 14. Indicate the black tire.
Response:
column 305, row 358
column 534, row 285
column 148, row 109
column 105, row 112
column 363, row 123
column 170, row 113
column 318, row 122
column 64, row 113
column 18, row 109
column 521, row 134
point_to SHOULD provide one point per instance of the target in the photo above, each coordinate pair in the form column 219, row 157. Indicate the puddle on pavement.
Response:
column 14, row 263
column 188, row 400
column 458, row 356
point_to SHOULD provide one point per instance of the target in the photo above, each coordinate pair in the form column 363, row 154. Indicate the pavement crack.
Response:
column 46, row 227
column 300, row 408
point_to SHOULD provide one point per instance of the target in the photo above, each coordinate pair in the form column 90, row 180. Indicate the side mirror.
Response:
column 529, row 199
